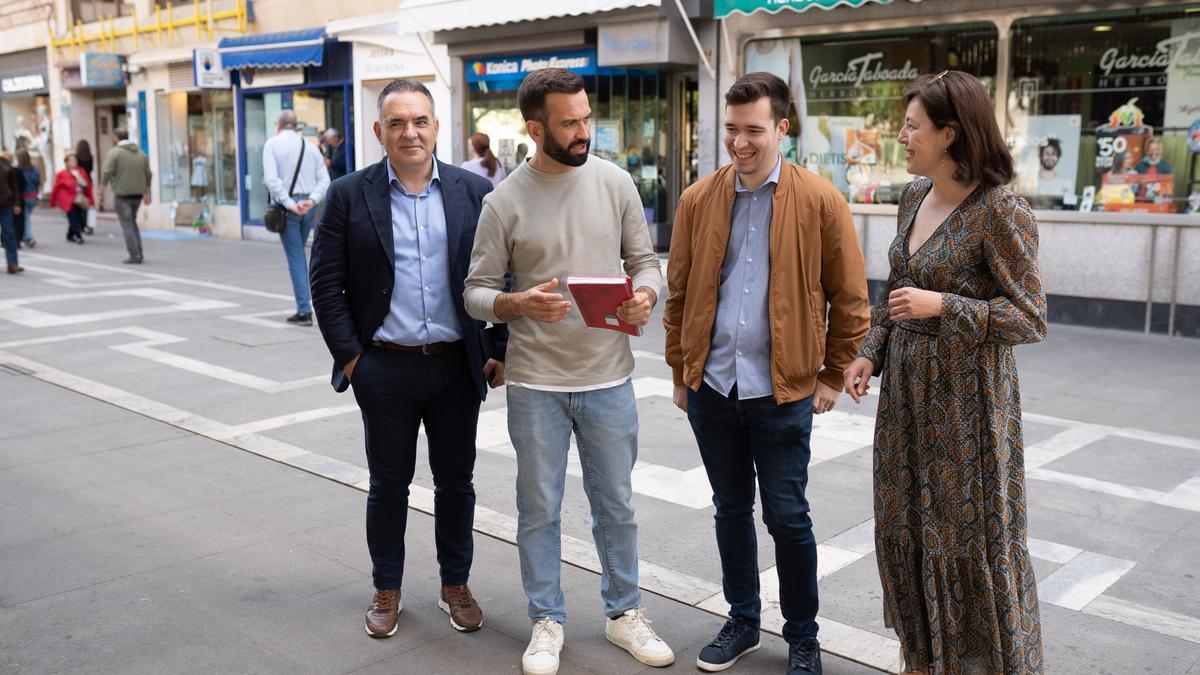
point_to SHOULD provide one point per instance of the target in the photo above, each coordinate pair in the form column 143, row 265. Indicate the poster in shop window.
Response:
column 1047, row 154
column 1129, row 161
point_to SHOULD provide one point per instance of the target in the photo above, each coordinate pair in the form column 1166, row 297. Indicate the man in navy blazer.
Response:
column 389, row 263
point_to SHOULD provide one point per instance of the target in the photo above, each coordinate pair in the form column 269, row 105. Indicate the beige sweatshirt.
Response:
column 542, row 226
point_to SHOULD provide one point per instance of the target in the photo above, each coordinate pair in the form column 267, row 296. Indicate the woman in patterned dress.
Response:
column 958, row 583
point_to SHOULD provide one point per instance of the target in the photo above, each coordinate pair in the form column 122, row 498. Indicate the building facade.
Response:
column 1100, row 105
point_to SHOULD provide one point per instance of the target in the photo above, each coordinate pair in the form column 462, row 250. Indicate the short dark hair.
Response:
column 121, row 134
column 1050, row 142
column 753, row 86
column 959, row 101
column 403, row 86
column 531, row 96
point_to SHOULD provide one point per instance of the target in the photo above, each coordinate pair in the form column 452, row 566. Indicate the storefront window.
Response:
column 25, row 125
column 317, row 109
column 196, row 147
column 847, row 97
column 630, row 118
column 88, row 11
column 1101, row 109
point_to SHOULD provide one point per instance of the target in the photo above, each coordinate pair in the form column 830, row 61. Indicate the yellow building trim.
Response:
column 106, row 33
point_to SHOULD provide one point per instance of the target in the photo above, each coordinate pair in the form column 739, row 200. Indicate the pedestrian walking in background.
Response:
column 83, row 155
column 12, row 185
column 286, row 154
column 127, row 169
column 566, row 212
column 412, row 354
column 72, row 193
column 33, row 182
column 335, row 159
column 768, row 306
column 485, row 163
column 964, row 287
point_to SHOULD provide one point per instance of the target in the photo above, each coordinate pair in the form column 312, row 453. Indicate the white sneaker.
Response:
column 632, row 632
column 541, row 656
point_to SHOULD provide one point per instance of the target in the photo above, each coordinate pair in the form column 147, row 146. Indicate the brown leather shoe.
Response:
column 465, row 614
column 15, row 269
column 381, row 617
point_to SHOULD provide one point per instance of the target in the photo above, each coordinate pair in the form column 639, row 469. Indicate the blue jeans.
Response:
column 294, row 237
column 605, row 425
column 739, row 439
column 7, row 236
column 30, row 205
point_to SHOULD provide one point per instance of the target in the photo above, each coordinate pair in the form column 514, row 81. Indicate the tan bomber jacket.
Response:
column 815, row 259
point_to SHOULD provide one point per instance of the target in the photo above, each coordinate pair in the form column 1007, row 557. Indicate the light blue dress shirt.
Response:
column 741, row 339
column 422, row 311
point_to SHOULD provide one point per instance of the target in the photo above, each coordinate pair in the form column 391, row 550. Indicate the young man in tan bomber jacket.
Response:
column 767, row 307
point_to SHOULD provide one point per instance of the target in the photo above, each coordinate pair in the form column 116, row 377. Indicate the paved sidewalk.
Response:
column 131, row 545
column 180, row 489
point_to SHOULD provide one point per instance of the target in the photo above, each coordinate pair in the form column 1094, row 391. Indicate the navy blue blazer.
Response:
column 354, row 261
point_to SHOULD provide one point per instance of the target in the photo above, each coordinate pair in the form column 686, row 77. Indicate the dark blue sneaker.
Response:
column 804, row 657
column 735, row 640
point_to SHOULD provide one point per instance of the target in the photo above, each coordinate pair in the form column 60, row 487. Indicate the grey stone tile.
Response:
column 252, row 579
column 344, row 543
column 1081, row 643
column 1115, row 526
column 18, row 528
column 1165, row 578
column 48, row 567
column 1132, row 462
column 853, row 595
column 168, row 538
column 664, row 435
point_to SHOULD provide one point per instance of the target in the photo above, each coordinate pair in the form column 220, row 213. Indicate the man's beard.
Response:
column 1049, row 165
column 563, row 155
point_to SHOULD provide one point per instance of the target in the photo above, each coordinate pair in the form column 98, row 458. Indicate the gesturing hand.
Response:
column 857, row 376
column 540, row 304
column 914, row 303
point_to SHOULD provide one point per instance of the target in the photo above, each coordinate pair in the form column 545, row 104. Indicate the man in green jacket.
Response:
column 127, row 169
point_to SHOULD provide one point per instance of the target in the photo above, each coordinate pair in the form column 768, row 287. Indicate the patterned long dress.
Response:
column 958, row 583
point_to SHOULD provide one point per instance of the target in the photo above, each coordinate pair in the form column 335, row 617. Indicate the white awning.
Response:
column 425, row 16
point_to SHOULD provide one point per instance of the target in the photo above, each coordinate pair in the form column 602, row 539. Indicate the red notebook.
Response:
column 598, row 299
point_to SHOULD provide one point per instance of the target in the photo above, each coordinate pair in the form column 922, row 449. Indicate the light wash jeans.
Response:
column 294, row 238
column 605, row 424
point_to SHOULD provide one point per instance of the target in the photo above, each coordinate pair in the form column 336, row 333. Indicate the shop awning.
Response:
column 723, row 8
column 441, row 15
column 288, row 49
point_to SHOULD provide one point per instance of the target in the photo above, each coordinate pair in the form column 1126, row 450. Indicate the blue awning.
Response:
column 288, row 49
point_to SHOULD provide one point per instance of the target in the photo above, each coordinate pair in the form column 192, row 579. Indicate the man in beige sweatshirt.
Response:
column 566, row 213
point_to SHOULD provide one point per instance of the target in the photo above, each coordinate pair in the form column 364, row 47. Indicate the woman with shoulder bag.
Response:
column 72, row 192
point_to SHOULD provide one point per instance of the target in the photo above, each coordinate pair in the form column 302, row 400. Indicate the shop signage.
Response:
column 866, row 68
column 207, row 72
column 517, row 67
column 98, row 70
column 649, row 42
column 381, row 62
column 1181, row 51
column 274, row 77
column 723, row 8
column 22, row 83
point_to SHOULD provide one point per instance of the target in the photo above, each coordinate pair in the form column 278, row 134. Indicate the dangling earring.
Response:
column 943, row 162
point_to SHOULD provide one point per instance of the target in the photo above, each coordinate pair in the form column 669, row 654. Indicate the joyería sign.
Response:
column 866, row 68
